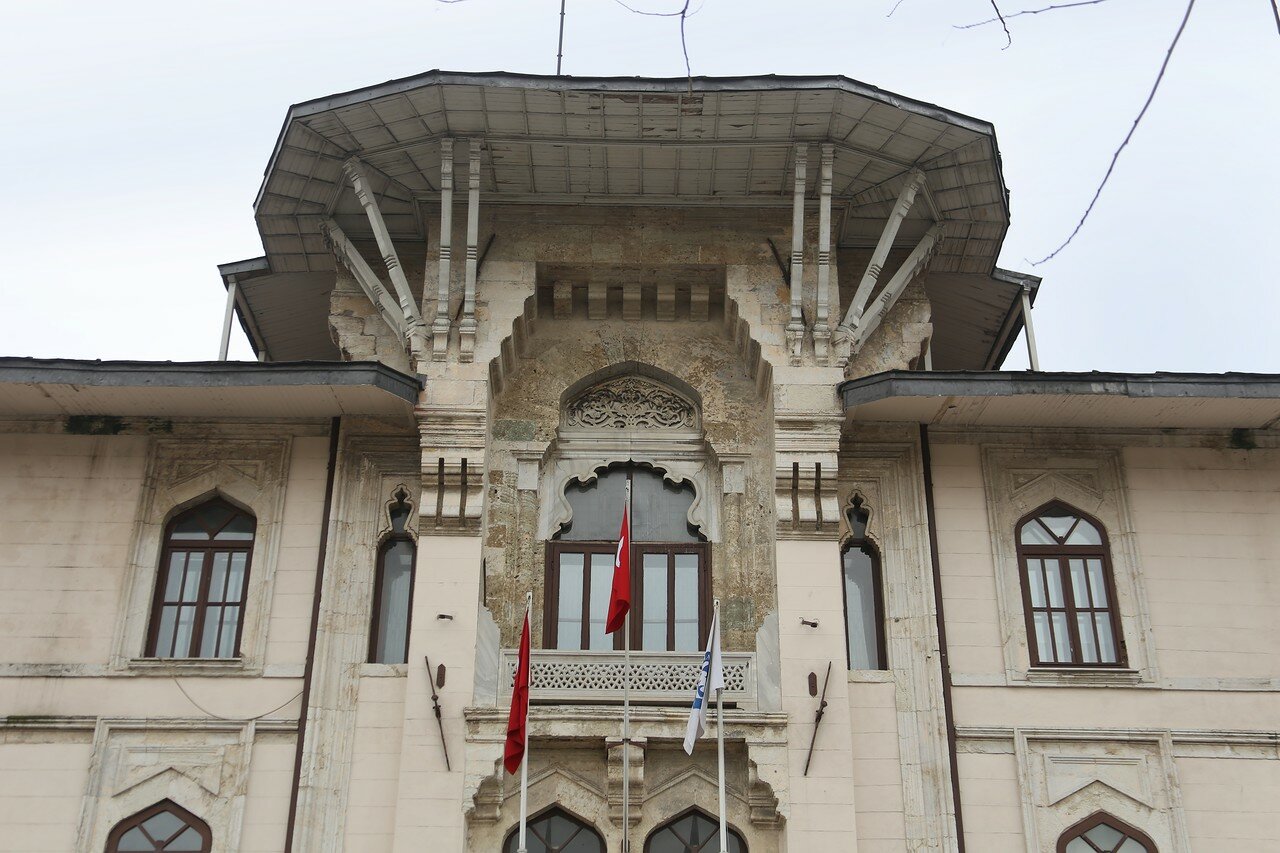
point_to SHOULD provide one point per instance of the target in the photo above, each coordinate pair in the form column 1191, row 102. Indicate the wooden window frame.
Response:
column 877, row 580
column 118, row 831
column 551, row 600
column 375, row 621
column 732, row 832
column 1077, row 830
column 512, row 839
column 209, row 548
column 1064, row 553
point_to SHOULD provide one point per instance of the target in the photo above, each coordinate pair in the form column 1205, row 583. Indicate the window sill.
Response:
column 871, row 676
column 383, row 670
column 190, row 666
column 1084, row 677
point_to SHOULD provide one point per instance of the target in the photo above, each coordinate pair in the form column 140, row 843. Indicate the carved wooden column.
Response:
column 440, row 326
column 906, row 198
column 467, row 327
column 795, row 326
column 822, row 317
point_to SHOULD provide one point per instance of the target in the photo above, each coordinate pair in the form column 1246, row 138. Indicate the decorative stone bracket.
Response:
column 636, row 760
column 453, row 460
column 805, row 468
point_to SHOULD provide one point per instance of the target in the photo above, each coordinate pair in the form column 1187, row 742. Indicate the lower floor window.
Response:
column 692, row 832
column 556, row 831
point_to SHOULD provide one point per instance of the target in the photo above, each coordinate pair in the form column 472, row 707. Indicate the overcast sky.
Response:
column 136, row 134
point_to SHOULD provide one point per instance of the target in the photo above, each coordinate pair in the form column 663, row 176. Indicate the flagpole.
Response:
column 524, row 762
column 626, row 697
column 724, row 836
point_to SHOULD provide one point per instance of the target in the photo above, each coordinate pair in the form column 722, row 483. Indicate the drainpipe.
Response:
column 947, row 707
column 334, row 427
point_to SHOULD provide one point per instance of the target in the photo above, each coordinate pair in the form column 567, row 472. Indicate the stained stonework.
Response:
column 899, row 341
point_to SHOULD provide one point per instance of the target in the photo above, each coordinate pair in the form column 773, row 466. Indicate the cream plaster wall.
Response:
column 1231, row 804
column 375, row 758
column 992, row 803
column 877, row 773
column 42, row 781
column 266, row 802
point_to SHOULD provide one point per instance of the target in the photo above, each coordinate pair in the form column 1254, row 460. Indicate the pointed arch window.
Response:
column 166, row 826
column 670, row 565
column 1102, row 833
column 692, row 832
column 863, row 594
column 1068, row 590
column 198, row 610
column 393, row 588
column 556, row 831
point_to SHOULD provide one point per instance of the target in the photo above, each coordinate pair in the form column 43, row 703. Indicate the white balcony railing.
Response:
column 657, row 678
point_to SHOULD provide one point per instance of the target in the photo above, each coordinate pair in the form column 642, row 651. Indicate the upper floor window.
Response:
column 863, row 598
column 1102, row 833
column 198, row 611
column 670, row 571
column 556, row 831
column 393, row 588
column 692, row 832
column 166, row 826
column 1067, row 589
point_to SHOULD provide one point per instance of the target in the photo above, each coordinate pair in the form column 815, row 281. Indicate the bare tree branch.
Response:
column 1008, row 36
column 1116, row 156
column 678, row 14
column 895, row 8
column 683, row 15
column 1028, row 12
column 1275, row 10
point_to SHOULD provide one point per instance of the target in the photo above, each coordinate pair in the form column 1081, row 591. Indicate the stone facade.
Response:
column 662, row 336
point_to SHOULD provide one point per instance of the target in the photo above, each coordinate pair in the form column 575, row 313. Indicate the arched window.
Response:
column 670, row 565
column 863, row 596
column 198, row 610
column 1067, row 589
column 1102, row 833
column 393, row 588
column 165, row 826
column 556, row 831
column 692, row 832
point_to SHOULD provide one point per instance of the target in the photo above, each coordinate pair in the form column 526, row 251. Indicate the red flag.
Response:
column 620, row 596
column 517, row 722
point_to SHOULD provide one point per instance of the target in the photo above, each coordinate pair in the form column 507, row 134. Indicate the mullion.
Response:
column 202, row 603
column 671, row 600
column 1069, row 602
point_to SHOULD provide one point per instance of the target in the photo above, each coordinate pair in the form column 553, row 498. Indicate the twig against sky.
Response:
column 1275, row 10
column 1116, row 156
column 683, row 15
column 895, row 8
column 1004, row 19
column 1008, row 36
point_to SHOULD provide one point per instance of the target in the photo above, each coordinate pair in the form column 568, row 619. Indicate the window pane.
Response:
column 1097, row 584
column 1061, row 638
column 218, row 578
column 1085, row 534
column 1106, row 837
column 660, row 509
column 239, row 529
column 191, row 583
column 569, row 627
column 209, row 633
column 597, row 507
column 862, row 624
column 390, row 646
column 1079, row 845
column 182, row 634
column 1058, row 524
column 601, row 590
column 686, row 609
column 1054, row 579
column 177, row 562
column 134, row 841
column 163, row 826
column 654, row 633
column 1033, row 533
column 1088, row 648
column 230, row 625
column 1106, row 642
column 187, row 841
column 164, row 635
column 1131, row 846
column 1079, row 585
column 1035, row 576
column 1044, row 642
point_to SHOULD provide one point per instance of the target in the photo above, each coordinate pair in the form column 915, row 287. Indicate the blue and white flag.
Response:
column 710, row 679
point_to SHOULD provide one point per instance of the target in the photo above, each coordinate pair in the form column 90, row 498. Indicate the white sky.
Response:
column 136, row 133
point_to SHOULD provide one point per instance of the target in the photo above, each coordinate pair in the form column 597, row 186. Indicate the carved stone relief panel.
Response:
column 250, row 472
column 631, row 402
column 1019, row 479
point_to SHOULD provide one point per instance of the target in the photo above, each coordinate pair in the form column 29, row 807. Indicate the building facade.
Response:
column 273, row 605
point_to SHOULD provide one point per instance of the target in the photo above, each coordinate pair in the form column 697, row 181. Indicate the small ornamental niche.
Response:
column 631, row 403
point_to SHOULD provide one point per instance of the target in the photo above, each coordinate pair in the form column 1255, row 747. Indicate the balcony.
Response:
column 657, row 678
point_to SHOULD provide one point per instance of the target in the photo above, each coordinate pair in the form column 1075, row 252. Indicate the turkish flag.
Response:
column 517, row 722
column 620, row 596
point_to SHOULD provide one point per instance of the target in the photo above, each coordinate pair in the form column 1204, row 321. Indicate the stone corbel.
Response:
column 453, row 461
column 349, row 256
column 805, row 471
column 467, row 326
column 761, row 799
column 636, row 760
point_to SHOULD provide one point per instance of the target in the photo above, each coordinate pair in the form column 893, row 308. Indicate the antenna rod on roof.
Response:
column 560, row 45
